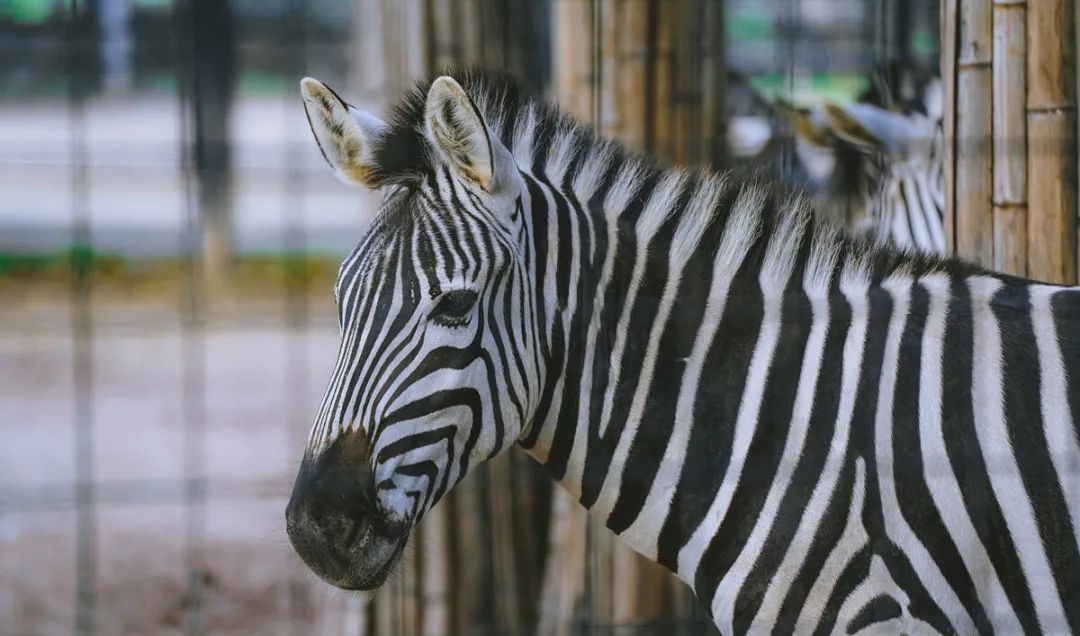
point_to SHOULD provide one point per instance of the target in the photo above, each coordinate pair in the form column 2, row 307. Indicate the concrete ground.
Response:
column 228, row 407
column 165, row 411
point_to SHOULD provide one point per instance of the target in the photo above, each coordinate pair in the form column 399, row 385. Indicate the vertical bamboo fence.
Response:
column 1010, row 120
column 506, row 551
column 476, row 561
column 651, row 74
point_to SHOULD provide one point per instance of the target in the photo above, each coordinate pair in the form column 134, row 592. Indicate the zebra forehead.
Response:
column 513, row 113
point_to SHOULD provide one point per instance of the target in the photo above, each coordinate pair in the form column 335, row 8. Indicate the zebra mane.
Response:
column 543, row 139
column 402, row 155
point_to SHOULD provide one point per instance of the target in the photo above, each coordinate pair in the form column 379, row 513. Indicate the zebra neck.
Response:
column 650, row 271
column 683, row 312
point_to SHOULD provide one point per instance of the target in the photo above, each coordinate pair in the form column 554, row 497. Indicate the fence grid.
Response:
column 195, row 236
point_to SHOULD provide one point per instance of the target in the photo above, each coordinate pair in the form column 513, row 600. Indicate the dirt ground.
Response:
column 225, row 408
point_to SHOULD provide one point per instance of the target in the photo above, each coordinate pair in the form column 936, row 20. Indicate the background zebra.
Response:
column 876, row 167
column 899, row 157
column 812, row 431
column 887, row 153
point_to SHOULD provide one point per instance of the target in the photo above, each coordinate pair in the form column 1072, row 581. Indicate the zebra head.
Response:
column 437, row 368
column 889, row 174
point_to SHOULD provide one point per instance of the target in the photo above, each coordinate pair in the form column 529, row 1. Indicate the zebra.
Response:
column 887, row 177
column 760, row 138
column 876, row 166
column 813, row 431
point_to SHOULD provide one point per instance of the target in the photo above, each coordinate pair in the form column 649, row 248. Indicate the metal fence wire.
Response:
column 168, row 240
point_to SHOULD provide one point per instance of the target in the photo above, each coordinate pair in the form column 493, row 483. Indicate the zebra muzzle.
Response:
column 334, row 522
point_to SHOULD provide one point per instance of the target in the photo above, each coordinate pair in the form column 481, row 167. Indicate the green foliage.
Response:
column 27, row 11
column 811, row 89
column 748, row 23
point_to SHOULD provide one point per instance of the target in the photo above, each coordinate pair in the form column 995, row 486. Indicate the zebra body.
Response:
column 815, row 433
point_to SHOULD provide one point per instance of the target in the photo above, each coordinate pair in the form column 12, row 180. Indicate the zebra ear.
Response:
column 805, row 124
column 870, row 128
column 456, row 129
column 345, row 134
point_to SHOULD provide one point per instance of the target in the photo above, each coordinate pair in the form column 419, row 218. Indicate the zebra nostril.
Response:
column 352, row 531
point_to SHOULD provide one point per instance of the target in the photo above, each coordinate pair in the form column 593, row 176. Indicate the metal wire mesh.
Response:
column 156, row 410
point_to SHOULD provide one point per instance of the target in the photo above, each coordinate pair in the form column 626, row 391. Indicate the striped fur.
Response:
column 894, row 197
column 890, row 175
column 816, row 433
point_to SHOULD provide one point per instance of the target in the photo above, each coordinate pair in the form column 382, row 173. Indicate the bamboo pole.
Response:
column 1010, row 136
column 435, row 581
column 633, row 68
column 630, row 20
column 573, row 71
column 1030, row 226
column 1051, row 119
column 505, row 547
column 949, row 29
column 974, row 131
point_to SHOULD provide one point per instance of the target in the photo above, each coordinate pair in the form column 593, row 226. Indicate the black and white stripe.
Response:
column 816, row 433
column 893, row 141
column 908, row 207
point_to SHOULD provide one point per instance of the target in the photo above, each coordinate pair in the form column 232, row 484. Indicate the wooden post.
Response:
column 1010, row 74
column 573, row 57
column 1051, row 119
column 949, row 28
column 649, row 73
column 1010, row 136
column 974, row 130
column 646, row 72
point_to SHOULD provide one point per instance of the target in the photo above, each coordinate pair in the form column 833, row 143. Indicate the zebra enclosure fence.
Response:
column 170, row 238
column 1010, row 121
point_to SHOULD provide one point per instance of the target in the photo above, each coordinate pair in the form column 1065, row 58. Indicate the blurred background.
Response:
column 169, row 236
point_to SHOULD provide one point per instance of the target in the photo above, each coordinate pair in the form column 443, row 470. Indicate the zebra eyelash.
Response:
column 454, row 307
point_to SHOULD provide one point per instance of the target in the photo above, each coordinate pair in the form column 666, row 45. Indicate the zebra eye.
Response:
column 453, row 308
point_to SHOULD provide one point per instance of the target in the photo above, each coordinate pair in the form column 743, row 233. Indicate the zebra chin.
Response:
column 334, row 520
column 364, row 565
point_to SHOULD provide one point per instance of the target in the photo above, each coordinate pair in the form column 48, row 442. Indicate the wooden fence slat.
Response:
column 573, row 88
column 564, row 570
column 1051, row 75
column 949, row 30
column 974, row 131
column 661, row 88
column 632, row 73
column 975, row 43
column 1051, row 103
column 1010, row 137
column 1010, row 103
column 611, row 69
column 1052, row 194
column 974, row 188
column 435, row 582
